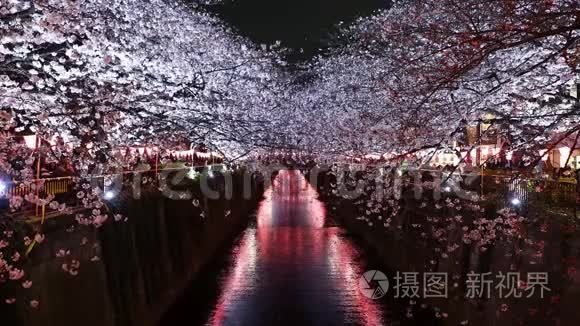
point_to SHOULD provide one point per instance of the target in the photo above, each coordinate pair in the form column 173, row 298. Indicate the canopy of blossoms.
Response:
column 125, row 72
column 93, row 76
column 415, row 76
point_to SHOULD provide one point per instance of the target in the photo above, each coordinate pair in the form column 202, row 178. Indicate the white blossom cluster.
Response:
column 413, row 77
column 124, row 72
column 417, row 75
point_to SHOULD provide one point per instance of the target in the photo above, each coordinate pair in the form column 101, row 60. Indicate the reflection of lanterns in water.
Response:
column 293, row 199
column 290, row 247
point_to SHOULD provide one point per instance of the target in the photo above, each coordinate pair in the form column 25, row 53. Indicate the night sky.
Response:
column 299, row 24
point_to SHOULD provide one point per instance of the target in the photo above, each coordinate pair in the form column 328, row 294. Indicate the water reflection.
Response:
column 293, row 268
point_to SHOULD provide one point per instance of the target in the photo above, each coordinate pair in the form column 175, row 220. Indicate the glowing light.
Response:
column 30, row 141
column 564, row 154
column 372, row 156
column 109, row 195
column 447, row 189
column 516, row 202
column 3, row 187
column 192, row 174
column 290, row 195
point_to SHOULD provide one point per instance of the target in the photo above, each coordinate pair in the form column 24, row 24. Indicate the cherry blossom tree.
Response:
column 129, row 72
column 418, row 74
column 92, row 76
column 414, row 77
column 88, row 77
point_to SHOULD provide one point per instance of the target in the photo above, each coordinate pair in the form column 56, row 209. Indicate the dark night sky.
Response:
column 305, row 24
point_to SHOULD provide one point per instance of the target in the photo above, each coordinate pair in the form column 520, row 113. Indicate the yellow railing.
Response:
column 53, row 186
column 57, row 186
column 61, row 185
column 15, row 189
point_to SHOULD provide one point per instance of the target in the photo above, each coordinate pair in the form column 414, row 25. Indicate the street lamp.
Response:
column 109, row 195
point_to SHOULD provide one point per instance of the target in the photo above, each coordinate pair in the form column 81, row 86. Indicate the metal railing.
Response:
column 63, row 186
column 48, row 186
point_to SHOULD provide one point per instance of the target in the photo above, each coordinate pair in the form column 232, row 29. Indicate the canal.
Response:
column 291, row 266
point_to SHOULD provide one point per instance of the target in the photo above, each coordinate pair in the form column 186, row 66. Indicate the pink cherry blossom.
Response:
column 16, row 274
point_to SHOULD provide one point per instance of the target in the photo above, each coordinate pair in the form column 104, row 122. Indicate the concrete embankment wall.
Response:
column 129, row 272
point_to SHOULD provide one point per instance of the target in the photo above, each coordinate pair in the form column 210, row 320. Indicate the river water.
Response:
column 291, row 267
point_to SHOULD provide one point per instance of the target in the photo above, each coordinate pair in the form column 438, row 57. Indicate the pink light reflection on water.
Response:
column 292, row 265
